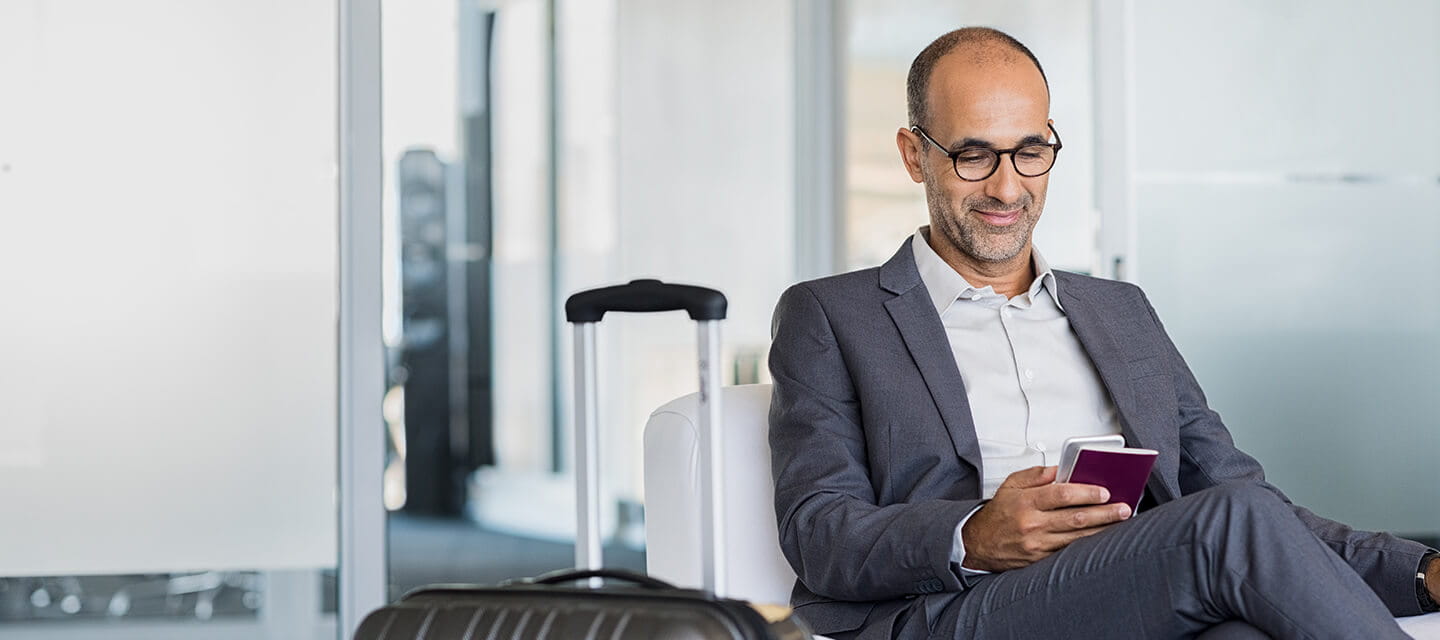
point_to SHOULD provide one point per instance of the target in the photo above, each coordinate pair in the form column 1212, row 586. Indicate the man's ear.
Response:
column 911, row 146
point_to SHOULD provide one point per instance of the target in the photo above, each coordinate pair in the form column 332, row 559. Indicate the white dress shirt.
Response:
column 1029, row 382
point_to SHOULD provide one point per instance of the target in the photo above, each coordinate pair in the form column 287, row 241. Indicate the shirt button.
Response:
column 1029, row 374
column 976, row 297
column 1007, row 312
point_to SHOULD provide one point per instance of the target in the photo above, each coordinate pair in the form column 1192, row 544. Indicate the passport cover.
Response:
column 1122, row 471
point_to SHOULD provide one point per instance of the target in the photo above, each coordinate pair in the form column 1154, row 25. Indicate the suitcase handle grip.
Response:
column 575, row 575
column 646, row 296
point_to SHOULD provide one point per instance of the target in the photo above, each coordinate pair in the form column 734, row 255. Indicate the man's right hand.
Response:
column 1031, row 517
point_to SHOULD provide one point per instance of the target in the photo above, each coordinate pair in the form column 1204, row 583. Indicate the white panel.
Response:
column 169, row 289
column 1299, row 86
column 1307, row 313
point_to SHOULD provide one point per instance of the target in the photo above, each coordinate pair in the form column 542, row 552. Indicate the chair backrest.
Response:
column 756, row 568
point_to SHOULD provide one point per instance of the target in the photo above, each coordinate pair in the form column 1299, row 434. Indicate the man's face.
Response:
column 996, row 104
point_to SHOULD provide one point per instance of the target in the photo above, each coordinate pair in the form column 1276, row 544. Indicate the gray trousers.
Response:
column 1234, row 552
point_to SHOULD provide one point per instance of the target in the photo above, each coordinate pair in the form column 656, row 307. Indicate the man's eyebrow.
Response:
column 1033, row 138
column 974, row 142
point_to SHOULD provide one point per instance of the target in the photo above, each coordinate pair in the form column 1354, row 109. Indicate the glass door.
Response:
column 169, row 257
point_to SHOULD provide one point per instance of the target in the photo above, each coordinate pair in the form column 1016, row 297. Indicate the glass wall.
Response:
column 168, row 199
column 1287, row 188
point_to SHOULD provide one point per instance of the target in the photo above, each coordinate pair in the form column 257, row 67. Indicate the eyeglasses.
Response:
column 973, row 164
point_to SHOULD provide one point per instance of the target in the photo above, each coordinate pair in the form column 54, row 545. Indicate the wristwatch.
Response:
column 1427, row 604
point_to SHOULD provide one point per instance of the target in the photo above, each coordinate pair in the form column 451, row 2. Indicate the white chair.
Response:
column 756, row 568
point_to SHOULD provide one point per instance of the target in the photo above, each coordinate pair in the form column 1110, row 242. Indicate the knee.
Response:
column 1240, row 509
column 1243, row 497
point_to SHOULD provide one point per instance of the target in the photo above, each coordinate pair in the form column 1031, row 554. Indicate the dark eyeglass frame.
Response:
column 994, row 166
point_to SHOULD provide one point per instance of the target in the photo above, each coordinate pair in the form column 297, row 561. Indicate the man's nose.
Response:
column 1004, row 185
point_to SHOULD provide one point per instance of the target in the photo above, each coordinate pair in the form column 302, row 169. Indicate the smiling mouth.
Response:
column 999, row 218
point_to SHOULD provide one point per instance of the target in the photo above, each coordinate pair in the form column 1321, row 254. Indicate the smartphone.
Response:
column 1072, row 447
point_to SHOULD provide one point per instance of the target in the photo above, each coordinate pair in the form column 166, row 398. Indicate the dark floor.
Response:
column 426, row 550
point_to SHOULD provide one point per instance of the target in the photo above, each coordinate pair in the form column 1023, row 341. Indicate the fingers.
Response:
column 1035, row 548
column 1071, row 536
column 1031, row 477
column 1081, row 518
column 1057, row 541
column 1057, row 496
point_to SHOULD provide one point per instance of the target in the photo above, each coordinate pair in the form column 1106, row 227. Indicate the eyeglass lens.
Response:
column 978, row 164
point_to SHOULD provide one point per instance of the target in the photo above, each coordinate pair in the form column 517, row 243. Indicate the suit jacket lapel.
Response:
column 1099, row 341
column 924, row 336
column 1100, row 345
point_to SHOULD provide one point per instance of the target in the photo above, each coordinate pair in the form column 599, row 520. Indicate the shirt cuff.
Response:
column 957, row 549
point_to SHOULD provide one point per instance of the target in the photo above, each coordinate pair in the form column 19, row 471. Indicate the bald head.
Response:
column 978, row 46
column 976, row 89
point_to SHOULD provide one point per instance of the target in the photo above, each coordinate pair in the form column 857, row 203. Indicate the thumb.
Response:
column 1031, row 477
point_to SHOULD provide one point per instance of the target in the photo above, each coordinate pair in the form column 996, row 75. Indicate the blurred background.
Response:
column 178, row 223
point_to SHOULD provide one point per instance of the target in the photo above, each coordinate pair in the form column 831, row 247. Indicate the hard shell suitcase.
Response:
column 542, row 608
column 591, row 602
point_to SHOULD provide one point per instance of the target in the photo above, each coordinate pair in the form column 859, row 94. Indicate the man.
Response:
column 918, row 405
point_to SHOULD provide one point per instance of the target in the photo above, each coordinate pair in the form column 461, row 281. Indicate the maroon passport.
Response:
column 1122, row 471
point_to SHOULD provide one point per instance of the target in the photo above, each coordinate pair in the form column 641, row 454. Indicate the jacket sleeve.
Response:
column 1208, row 457
column 841, row 543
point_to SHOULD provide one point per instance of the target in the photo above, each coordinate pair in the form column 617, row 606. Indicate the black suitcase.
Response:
column 591, row 602
column 543, row 608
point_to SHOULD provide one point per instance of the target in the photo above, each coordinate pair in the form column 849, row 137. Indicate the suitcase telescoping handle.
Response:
column 645, row 296
column 707, row 307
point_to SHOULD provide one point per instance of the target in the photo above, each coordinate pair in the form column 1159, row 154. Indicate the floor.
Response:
column 426, row 550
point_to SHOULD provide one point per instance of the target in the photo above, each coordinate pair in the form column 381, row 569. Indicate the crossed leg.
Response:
column 1232, row 552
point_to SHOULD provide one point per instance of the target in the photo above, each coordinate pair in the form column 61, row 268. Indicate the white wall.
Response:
column 168, row 250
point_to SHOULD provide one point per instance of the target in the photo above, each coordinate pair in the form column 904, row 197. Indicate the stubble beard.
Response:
column 981, row 241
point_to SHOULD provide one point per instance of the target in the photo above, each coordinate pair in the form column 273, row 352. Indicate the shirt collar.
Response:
column 946, row 285
column 1044, row 276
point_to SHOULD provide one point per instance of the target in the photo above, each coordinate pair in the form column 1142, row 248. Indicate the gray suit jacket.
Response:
column 875, row 456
